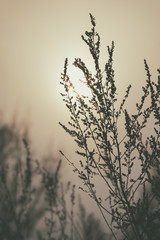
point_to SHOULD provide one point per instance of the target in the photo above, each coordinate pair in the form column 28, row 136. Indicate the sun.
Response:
column 78, row 80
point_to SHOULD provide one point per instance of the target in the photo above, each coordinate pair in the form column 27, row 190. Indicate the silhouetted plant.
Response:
column 127, row 164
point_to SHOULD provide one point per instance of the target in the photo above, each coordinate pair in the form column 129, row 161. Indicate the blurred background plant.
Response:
column 34, row 202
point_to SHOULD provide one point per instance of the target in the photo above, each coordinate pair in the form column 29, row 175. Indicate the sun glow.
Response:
column 78, row 80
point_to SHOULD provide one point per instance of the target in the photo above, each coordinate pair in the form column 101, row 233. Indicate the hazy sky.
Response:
column 37, row 35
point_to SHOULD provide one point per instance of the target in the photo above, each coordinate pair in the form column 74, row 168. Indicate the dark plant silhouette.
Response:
column 127, row 164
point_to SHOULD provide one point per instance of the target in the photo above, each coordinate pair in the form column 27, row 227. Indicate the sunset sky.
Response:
column 37, row 35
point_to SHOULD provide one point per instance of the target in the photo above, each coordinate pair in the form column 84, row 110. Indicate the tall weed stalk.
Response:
column 128, row 163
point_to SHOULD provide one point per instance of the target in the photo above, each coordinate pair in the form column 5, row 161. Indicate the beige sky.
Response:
column 37, row 35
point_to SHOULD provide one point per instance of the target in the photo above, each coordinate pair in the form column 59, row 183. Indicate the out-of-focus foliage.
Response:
column 90, row 226
column 34, row 202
